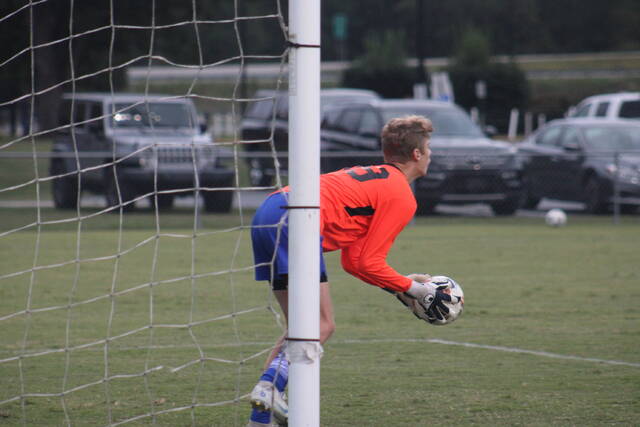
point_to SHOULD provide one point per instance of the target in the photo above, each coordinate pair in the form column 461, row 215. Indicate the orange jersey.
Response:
column 362, row 210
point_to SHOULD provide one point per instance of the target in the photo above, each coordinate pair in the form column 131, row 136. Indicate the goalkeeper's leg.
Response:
column 267, row 397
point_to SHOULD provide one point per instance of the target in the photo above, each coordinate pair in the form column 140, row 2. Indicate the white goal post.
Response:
column 304, row 222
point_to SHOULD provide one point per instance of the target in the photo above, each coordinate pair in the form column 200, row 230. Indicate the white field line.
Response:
column 397, row 341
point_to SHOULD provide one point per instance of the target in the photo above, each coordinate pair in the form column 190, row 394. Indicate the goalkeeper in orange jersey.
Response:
column 362, row 211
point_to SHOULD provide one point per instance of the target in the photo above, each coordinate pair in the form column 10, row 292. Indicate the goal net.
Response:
column 126, row 277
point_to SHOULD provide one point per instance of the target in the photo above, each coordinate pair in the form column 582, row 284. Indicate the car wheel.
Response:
column 508, row 207
column 594, row 197
column 217, row 201
column 426, row 206
column 111, row 192
column 529, row 201
column 64, row 189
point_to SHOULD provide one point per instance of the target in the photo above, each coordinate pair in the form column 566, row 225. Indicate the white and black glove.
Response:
column 426, row 300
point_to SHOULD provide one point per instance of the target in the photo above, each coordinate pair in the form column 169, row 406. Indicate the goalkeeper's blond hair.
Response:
column 402, row 135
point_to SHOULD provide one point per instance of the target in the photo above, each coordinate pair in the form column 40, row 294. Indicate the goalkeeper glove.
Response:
column 426, row 300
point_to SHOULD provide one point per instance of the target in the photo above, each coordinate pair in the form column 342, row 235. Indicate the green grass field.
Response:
column 550, row 333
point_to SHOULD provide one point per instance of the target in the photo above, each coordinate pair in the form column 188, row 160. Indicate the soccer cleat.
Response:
column 265, row 397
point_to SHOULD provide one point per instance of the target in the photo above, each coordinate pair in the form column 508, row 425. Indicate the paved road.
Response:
column 250, row 199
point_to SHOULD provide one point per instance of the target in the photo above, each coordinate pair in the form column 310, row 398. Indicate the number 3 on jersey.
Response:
column 369, row 175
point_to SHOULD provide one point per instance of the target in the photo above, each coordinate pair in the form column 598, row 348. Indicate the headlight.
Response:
column 624, row 173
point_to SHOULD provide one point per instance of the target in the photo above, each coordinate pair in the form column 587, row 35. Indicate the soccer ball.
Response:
column 555, row 218
column 455, row 308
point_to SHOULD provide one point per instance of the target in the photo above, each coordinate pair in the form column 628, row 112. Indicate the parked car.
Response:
column 625, row 105
column 260, row 121
column 466, row 166
column 124, row 145
column 585, row 160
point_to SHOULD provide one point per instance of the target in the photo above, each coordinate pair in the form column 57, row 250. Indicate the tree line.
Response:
column 86, row 45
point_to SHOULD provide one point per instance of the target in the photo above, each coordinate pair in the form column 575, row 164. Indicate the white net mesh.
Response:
column 126, row 281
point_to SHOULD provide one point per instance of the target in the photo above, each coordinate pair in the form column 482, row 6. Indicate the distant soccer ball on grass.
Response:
column 555, row 218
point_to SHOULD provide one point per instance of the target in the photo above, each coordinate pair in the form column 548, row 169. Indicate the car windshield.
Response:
column 327, row 100
column 609, row 138
column 446, row 121
column 156, row 114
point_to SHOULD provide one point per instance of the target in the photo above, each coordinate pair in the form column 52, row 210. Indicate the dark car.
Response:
column 466, row 166
column 125, row 146
column 266, row 119
column 584, row 160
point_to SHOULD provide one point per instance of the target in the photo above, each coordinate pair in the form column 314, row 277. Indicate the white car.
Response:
column 625, row 105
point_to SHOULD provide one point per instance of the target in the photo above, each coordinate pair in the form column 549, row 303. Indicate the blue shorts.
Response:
column 269, row 236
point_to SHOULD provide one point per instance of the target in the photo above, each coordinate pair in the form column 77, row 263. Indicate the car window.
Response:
column 79, row 113
column 446, row 121
column 549, row 137
column 331, row 119
column 68, row 107
column 601, row 110
column 571, row 137
column 582, row 110
column 630, row 110
column 282, row 108
column 64, row 112
column 95, row 112
column 607, row 138
column 369, row 124
column 262, row 109
column 331, row 99
column 350, row 120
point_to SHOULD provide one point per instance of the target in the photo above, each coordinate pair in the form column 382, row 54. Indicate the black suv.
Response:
column 595, row 161
column 466, row 166
column 127, row 146
column 266, row 119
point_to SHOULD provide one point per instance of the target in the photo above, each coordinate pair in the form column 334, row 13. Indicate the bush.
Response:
column 389, row 83
column 506, row 84
column 382, row 67
column 507, row 88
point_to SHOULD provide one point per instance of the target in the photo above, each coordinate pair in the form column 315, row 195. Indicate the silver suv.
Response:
column 267, row 119
column 128, row 147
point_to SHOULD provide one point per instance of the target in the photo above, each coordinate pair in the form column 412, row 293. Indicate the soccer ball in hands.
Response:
column 555, row 218
column 455, row 308
column 447, row 285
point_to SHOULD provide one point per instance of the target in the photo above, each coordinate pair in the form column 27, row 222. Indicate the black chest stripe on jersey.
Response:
column 362, row 211
column 369, row 175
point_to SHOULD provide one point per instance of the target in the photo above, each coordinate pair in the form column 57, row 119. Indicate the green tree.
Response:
column 382, row 67
column 506, row 84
